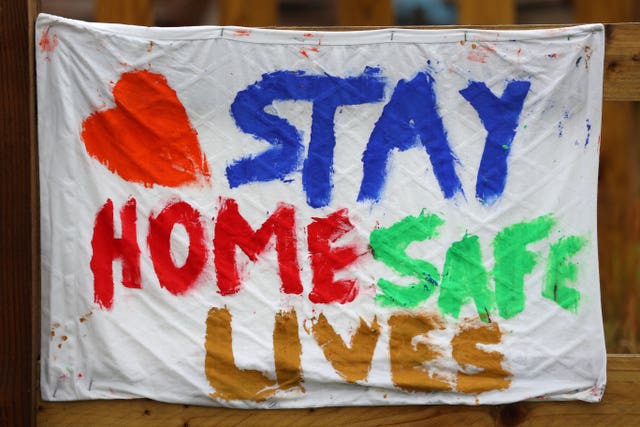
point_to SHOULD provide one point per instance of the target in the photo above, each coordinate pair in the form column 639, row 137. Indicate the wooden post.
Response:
column 487, row 12
column 618, row 192
column 18, row 191
column 135, row 12
column 248, row 13
column 365, row 13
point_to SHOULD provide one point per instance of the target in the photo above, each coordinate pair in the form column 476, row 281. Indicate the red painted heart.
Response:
column 147, row 137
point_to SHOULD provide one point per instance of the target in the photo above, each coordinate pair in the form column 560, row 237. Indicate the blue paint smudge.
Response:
column 410, row 119
column 500, row 117
column 283, row 157
column 586, row 142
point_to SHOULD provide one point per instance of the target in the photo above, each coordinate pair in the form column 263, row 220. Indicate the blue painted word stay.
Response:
column 410, row 119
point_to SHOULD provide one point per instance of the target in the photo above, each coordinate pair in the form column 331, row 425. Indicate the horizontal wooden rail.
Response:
column 618, row 407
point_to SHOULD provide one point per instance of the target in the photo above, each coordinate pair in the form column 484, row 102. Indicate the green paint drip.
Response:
column 560, row 271
column 514, row 261
column 464, row 278
column 389, row 245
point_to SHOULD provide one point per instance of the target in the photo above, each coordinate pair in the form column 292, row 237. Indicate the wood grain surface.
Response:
column 619, row 407
column 18, row 248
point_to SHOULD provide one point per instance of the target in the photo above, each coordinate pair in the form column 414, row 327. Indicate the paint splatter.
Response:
column 587, row 56
column 552, row 55
column 586, row 142
column 147, row 137
column 304, row 51
column 242, row 33
column 48, row 43
column 151, row 44
column 86, row 317
column 480, row 53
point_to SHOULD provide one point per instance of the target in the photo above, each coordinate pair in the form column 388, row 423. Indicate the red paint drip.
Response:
column 308, row 34
column 46, row 43
column 326, row 260
column 242, row 33
column 233, row 230
column 147, row 138
column 314, row 49
column 304, row 53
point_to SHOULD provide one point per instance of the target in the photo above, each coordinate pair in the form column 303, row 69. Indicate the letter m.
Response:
column 232, row 231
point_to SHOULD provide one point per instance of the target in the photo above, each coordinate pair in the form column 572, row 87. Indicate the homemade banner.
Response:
column 265, row 219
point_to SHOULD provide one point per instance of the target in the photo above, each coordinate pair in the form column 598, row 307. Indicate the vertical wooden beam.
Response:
column 487, row 12
column 135, row 12
column 18, row 328
column 365, row 13
column 248, row 13
column 618, row 198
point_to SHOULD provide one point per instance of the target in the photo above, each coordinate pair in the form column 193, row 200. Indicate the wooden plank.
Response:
column 365, row 12
column 248, row 13
column 622, row 62
column 17, row 182
column 618, row 407
column 618, row 215
column 606, row 11
column 619, row 180
column 135, row 12
column 487, row 12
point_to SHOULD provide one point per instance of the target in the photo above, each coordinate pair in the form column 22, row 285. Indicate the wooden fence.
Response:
column 619, row 238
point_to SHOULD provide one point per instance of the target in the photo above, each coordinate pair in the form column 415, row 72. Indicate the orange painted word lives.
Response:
column 414, row 364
